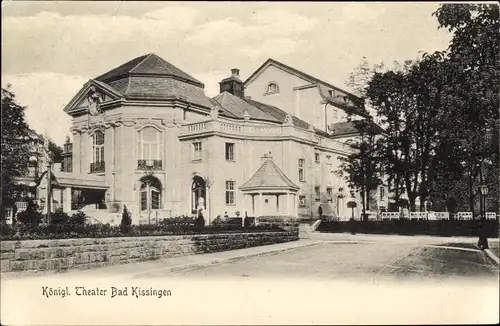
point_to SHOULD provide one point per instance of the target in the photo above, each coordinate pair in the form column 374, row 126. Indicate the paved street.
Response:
column 355, row 261
column 323, row 279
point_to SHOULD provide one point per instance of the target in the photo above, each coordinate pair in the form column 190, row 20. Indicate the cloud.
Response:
column 272, row 48
column 211, row 80
column 361, row 11
column 221, row 31
column 270, row 23
column 45, row 94
column 181, row 17
column 282, row 22
column 49, row 41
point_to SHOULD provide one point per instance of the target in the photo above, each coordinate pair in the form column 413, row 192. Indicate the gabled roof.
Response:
column 297, row 72
column 280, row 115
column 269, row 177
column 358, row 102
column 238, row 107
column 149, row 64
column 235, row 107
column 353, row 127
column 146, row 78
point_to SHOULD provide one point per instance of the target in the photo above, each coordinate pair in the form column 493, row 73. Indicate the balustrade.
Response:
column 97, row 167
column 149, row 164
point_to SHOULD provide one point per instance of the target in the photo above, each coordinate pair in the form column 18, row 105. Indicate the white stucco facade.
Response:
column 159, row 155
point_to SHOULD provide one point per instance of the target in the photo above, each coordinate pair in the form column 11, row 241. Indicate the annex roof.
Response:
column 353, row 127
column 269, row 177
column 237, row 107
column 323, row 85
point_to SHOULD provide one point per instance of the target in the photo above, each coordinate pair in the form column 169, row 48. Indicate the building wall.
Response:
column 304, row 102
column 249, row 156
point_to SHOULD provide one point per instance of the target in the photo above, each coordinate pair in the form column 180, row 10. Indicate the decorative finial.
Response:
column 214, row 113
column 246, row 116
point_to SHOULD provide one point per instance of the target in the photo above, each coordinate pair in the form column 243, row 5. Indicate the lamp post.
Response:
column 484, row 193
column 483, row 239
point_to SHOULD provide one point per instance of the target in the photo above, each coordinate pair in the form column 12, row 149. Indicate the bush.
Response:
column 125, row 225
column 31, row 216
column 78, row 219
column 413, row 227
column 59, row 217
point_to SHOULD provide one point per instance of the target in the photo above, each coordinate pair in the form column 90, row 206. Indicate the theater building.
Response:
column 145, row 135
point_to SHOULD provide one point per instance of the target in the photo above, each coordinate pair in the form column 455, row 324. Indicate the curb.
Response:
column 492, row 256
column 180, row 268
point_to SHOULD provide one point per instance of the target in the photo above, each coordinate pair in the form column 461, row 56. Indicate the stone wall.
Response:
column 58, row 255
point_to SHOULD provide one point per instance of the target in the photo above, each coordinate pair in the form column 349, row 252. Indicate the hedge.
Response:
column 182, row 225
column 412, row 227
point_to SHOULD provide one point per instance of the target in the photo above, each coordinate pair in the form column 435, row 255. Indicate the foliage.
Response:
column 472, row 99
column 59, row 217
column 362, row 169
column 78, row 219
column 31, row 216
column 56, row 151
column 171, row 226
column 411, row 227
column 126, row 221
column 15, row 145
column 440, row 113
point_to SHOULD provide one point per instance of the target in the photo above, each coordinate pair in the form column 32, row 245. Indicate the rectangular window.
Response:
column 229, row 152
column 197, row 151
column 302, row 164
column 382, row 193
column 316, row 157
column 144, row 200
column 229, row 192
column 302, row 200
column 317, row 193
column 329, row 193
column 155, row 199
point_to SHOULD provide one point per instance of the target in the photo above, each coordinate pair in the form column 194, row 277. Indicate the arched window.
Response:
column 272, row 88
column 150, row 193
column 97, row 164
column 198, row 194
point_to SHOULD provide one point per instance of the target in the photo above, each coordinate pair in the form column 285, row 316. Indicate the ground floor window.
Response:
column 150, row 193
column 229, row 192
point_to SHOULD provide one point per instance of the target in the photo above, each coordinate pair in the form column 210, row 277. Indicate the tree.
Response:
column 361, row 169
column 475, row 76
column 15, row 145
column 56, row 151
column 407, row 101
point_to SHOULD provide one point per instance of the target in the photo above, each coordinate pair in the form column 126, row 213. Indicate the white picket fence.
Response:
column 435, row 215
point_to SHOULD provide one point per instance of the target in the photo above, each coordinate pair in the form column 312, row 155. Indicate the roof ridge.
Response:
column 165, row 66
column 305, row 75
column 140, row 62
column 280, row 171
column 234, row 101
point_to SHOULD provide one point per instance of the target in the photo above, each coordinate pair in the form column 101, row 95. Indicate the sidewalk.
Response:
column 168, row 265
column 429, row 239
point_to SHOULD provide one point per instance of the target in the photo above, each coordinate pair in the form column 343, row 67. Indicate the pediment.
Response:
column 91, row 97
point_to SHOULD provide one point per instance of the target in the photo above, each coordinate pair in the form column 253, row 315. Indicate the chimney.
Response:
column 233, row 84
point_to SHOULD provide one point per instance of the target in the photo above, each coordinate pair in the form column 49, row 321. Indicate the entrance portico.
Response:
column 270, row 192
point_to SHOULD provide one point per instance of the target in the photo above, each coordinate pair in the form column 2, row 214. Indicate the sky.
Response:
column 50, row 49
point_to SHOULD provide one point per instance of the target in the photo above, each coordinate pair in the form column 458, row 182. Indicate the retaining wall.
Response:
column 57, row 255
